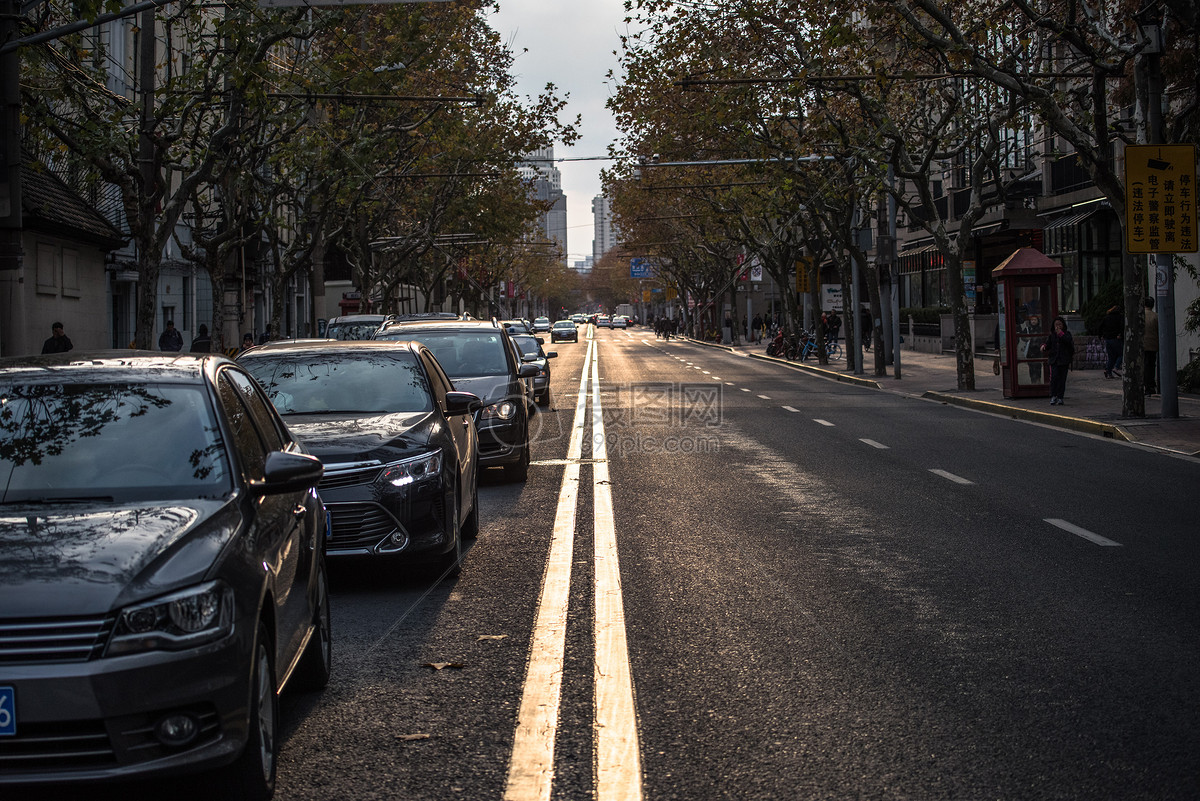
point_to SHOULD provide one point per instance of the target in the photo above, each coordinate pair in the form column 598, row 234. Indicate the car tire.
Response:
column 470, row 529
column 519, row 471
column 449, row 564
column 252, row 776
column 312, row 673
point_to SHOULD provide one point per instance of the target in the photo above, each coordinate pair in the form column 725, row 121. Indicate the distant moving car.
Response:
column 355, row 326
column 541, row 325
column 532, row 353
column 564, row 331
column 578, row 319
column 618, row 321
column 481, row 358
column 400, row 448
column 162, row 572
column 603, row 321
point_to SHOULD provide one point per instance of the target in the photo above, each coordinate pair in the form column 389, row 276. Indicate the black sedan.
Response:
column 162, row 572
column 564, row 331
column 532, row 353
column 400, row 446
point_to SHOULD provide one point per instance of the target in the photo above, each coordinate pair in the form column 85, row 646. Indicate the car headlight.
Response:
column 398, row 474
column 183, row 619
column 505, row 410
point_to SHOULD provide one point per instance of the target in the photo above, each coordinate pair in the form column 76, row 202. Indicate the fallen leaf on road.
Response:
column 491, row 636
column 412, row 736
column 440, row 665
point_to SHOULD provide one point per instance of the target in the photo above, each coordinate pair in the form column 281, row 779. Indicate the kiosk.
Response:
column 1027, row 293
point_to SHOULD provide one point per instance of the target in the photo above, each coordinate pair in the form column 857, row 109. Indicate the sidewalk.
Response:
column 1092, row 403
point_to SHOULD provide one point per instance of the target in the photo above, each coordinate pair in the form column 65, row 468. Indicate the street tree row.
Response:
column 389, row 133
column 814, row 117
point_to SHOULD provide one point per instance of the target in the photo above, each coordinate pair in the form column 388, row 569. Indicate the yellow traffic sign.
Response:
column 802, row 282
column 1160, row 199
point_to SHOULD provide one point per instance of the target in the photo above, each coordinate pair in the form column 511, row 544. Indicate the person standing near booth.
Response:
column 1060, row 350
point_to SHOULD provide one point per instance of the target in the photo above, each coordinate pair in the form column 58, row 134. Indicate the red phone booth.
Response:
column 1027, row 291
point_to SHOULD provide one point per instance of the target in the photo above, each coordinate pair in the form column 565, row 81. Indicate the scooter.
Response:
column 776, row 346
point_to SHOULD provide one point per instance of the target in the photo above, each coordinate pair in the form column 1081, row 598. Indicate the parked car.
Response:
column 355, row 326
column 400, row 448
column 142, row 498
column 480, row 357
column 564, row 331
column 532, row 353
column 517, row 327
column 541, row 325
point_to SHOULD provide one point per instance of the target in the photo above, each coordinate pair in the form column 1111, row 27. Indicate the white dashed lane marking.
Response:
column 1082, row 532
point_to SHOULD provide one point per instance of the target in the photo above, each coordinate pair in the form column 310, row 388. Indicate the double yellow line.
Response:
column 618, row 772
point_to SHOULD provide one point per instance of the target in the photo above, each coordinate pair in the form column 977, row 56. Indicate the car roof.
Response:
column 325, row 345
column 442, row 325
column 109, row 365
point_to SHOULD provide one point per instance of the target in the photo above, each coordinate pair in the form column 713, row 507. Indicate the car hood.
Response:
column 338, row 438
column 70, row 560
column 489, row 388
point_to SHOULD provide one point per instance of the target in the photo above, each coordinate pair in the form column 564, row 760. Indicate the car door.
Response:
column 461, row 427
column 280, row 520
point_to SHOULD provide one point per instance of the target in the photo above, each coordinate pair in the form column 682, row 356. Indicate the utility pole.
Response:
column 1164, row 279
column 10, row 140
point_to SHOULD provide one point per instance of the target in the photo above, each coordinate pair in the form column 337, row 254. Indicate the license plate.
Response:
column 8, row 712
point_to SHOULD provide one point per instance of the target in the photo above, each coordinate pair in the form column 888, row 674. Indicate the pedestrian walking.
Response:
column 203, row 342
column 58, row 342
column 1150, row 348
column 1060, row 350
column 1112, row 331
column 170, row 339
column 834, row 325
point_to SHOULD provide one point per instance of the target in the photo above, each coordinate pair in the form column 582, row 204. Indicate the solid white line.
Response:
column 531, row 768
column 1082, row 532
column 951, row 476
column 618, row 756
column 791, row 409
column 823, row 422
column 875, row 444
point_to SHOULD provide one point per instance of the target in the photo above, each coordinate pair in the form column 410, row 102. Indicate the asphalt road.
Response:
column 829, row 592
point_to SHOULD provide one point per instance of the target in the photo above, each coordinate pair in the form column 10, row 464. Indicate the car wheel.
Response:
column 470, row 529
column 450, row 563
column 520, row 470
column 252, row 777
column 315, row 666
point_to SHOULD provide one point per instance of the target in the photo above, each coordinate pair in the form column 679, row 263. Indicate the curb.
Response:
column 1107, row 430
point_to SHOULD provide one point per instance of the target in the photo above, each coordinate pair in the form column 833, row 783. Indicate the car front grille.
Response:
column 336, row 477
column 359, row 525
column 73, row 639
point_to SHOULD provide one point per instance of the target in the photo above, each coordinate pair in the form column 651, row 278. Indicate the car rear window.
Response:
column 338, row 381
column 462, row 354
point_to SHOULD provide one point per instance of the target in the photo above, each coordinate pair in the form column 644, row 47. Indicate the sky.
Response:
column 570, row 43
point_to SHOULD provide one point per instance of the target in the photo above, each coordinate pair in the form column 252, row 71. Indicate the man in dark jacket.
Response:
column 202, row 343
column 170, row 339
column 58, row 342
column 1112, row 331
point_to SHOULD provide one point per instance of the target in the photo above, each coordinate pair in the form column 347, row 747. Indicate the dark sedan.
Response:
column 480, row 357
column 532, row 353
column 564, row 331
column 162, row 572
column 400, row 446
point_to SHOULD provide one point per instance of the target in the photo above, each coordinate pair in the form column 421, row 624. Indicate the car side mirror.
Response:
column 527, row 371
column 551, row 354
column 462, row 403
column 289, row 472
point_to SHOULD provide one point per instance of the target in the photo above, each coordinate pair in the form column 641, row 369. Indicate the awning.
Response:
column 1068, row 220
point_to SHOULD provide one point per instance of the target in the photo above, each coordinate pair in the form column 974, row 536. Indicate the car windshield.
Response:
column 358, row 329
column 566, row 324
column 109, row 441
column 462, row 354
column 527, row 345
column 338, row 381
